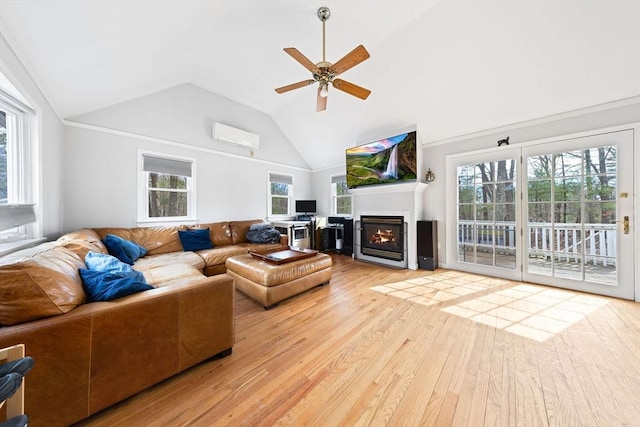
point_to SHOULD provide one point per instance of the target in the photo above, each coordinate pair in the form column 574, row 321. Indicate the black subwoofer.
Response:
column 427, row 245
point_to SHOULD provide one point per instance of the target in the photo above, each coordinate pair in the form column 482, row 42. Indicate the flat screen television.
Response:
column 305, row 206
column 386, row 161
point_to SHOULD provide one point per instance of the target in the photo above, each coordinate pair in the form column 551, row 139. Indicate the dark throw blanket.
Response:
column 263, row 233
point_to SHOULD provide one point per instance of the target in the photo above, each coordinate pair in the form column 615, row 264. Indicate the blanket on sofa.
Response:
column 263, row 233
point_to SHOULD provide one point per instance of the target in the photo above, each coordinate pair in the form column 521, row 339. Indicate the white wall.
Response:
column 100, row 166
column 185, row 113
column 50, row 141
column 321, row 188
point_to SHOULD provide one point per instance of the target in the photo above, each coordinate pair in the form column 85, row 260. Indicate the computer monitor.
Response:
column 305, row 206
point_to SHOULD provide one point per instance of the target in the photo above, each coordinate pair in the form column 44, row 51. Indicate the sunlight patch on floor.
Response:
column 532, row 311
column 439, row 288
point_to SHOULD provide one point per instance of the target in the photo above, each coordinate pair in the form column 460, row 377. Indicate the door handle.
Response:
column 625, row 224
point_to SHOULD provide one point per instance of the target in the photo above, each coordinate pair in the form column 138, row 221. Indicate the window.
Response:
column 280, row 194
column 341, row 201
column 167, row 188
column 487, row 213
column 17, row 173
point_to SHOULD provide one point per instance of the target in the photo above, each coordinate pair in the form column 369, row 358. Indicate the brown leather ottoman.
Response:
column 270, row 283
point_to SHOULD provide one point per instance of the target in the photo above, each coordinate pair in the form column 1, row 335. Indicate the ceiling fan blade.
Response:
column 306, row 63
column 351, row 89
column 350, row 60
column 303, row 83
column 321, row 103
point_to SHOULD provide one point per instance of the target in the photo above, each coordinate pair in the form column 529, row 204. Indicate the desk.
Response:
column 298, row 232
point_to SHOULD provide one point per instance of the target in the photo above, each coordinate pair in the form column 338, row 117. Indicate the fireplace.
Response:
column 382, row 237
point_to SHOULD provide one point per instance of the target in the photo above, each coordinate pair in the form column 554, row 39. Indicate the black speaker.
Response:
column 427, row 245
column 328, row 238
column 347, row 236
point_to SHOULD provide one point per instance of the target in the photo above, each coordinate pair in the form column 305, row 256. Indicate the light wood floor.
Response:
column 449, row 349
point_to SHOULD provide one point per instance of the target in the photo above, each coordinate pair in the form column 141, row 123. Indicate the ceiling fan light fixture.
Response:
column 324, row 91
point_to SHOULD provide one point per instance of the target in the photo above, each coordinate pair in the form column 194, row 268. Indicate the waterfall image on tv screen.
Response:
column 385, row 161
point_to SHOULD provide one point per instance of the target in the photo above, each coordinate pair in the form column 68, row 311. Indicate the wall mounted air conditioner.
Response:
column 235, row 136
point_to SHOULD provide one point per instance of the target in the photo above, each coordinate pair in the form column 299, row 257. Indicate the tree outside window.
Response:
column 279, row 198
column 280, row 194
column 167, row 195
column 167, row 187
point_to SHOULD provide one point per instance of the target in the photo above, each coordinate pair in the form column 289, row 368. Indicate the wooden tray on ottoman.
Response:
column 280, row 256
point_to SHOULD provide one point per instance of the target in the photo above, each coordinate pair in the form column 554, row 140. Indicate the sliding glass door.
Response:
column 556, row 213
column 487, row 212
column 578, row 194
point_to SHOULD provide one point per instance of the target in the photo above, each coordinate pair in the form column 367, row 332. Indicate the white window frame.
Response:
column 22, row 170
column 334, row 195
column 143, row 190
column 289, row 196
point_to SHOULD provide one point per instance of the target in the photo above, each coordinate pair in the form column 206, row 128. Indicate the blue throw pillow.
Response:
column 196, row 239
column 123, row 249
column 110, row 264
column 102, row 286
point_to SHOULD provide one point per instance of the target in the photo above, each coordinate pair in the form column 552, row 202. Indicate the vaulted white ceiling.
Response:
column 449, row 67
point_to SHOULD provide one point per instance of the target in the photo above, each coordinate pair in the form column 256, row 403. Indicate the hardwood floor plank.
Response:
column 379, row 346
column 473, row 399
column 530, row 407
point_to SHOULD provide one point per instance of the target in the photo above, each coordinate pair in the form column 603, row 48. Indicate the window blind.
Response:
column 282, row 179
column 15, row 215
column 166, row 166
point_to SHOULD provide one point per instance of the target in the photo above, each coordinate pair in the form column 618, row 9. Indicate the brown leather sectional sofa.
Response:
column 90, row 356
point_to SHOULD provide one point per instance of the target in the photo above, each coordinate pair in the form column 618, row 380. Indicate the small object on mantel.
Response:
column 430, row 176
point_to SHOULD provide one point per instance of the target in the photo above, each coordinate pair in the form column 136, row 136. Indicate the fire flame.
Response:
column 383, row 236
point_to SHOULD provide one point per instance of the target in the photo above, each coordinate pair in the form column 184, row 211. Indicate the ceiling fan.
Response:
column 325, row 72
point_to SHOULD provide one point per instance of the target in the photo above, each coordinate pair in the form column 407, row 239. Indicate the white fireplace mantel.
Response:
column 405, row 187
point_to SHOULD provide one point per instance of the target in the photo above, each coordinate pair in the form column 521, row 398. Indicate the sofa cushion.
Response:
column 110, row 264
column 25, row 254
column 170, row 273
column 41, row 285
column 218, row 255
column 154, row 261
column 103, row 286
column 157, row 240
column 219, row 232
column 239, row 230
column 123, row 249
column 195, row 240
column 82, row 241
